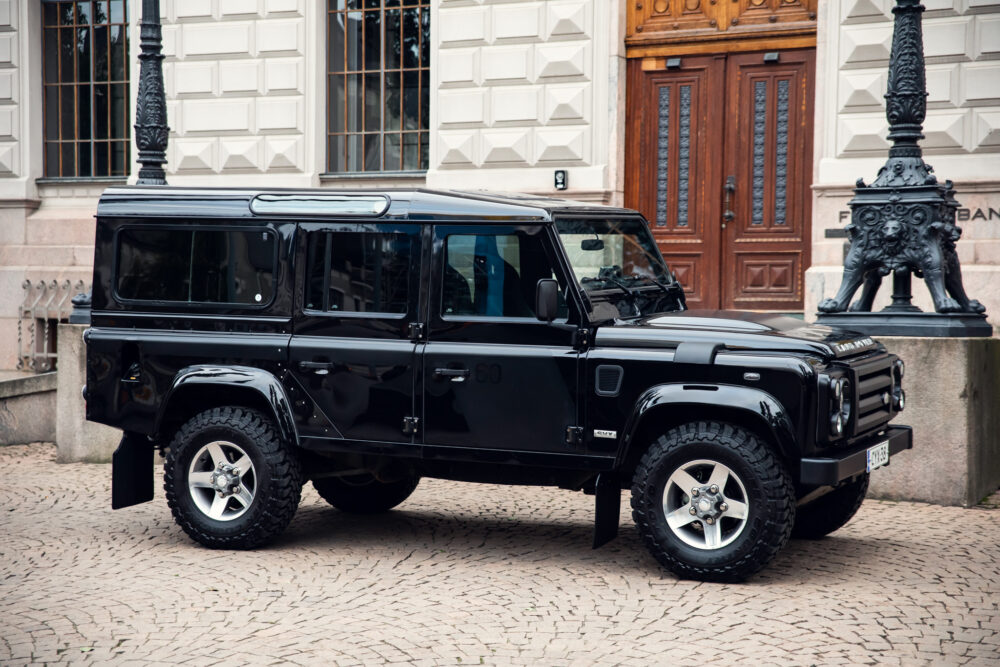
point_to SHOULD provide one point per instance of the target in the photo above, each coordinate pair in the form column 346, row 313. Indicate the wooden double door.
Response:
column 719, row 160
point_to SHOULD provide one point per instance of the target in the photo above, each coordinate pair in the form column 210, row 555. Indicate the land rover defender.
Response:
column 261, row 339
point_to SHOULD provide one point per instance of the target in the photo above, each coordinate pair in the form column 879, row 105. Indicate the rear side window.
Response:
column 359, row 272
column 196, row 265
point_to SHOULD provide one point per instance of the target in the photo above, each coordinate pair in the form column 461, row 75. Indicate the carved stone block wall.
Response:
column 10, row 132
column 523, row 88
column 235, row 80
column 962, row 129
column 962, row 50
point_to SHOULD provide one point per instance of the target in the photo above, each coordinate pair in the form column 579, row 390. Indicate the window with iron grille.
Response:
column 85, row 88
column 378, row 82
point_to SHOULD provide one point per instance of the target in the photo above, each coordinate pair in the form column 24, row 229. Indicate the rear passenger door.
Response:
column 351, row 352
column 494, row 376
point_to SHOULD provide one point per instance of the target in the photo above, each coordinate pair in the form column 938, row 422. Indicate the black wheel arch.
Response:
column 198, row 388
column 664, row 407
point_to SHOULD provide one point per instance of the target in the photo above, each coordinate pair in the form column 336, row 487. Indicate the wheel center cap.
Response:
column 705, row 505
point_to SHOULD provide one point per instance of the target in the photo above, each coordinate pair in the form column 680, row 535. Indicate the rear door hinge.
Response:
column 582, row 338
column 574, row 435
column 411, row 425
column 416, row 330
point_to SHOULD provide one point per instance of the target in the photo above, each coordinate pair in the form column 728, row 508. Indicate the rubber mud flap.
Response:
column 132, row 472
column 607, row 508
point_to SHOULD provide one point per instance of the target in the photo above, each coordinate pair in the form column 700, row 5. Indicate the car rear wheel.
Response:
column 364, row 494
column 712, row 501
column 230, row 480
column 831, row 511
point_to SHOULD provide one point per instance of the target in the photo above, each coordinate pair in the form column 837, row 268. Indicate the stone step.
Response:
column 53, row 257
column 60, row 227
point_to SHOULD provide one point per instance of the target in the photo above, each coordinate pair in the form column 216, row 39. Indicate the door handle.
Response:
column 318, row 367
column 729, row 189
column 454, row 374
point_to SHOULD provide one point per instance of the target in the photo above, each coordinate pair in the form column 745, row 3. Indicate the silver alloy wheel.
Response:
column 705, row 504
column 222, row 480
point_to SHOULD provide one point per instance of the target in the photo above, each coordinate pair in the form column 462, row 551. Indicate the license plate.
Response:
column 878, row 455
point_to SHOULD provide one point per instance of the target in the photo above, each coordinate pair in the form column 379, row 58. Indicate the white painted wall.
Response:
column 235, row 75
column 524, row 88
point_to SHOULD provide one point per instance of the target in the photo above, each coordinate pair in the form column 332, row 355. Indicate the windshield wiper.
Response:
column 673, row 288
column 630, row 293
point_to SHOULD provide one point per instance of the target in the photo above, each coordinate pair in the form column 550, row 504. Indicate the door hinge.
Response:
column 574, row 435
column 416, row 330
column 582, row 338
column 410, row 425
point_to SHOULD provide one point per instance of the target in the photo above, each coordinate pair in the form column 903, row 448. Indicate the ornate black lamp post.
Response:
column 151, row 129
column 904, row 222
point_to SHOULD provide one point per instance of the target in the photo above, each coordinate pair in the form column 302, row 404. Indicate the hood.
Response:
column 736, row 330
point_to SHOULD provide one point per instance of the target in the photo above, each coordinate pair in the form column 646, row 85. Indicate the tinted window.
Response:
column 368, row 272
column 493, row 275
column 196, row 265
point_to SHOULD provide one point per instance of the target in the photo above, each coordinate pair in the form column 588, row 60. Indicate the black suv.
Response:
column 364, row 340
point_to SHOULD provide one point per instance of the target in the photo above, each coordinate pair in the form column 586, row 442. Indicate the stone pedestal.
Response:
column 76, row 438
column 27, row 407
column 953, row 404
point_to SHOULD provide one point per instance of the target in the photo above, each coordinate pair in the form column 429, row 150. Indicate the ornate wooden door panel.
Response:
column 671, row 27
column 672, row 178
column 717, row 134
column 769, row 157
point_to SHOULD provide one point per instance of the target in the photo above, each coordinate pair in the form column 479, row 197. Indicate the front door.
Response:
column 719, row 160
column 494, row 376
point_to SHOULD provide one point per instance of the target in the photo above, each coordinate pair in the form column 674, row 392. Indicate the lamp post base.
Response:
column 931, row 325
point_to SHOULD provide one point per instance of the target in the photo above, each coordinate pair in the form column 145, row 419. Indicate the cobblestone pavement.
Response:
column 468, row 574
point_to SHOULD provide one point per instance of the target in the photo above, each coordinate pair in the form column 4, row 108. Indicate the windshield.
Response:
column 604, row 250
column 617, row 260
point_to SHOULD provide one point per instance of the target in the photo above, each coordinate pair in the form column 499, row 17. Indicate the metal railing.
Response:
column 46, row 303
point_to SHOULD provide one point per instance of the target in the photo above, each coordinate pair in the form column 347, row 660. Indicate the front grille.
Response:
column 871, row 381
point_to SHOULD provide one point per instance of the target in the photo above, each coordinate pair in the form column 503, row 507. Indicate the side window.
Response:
column 196, row 265
column 493, row 275
column 358, row 272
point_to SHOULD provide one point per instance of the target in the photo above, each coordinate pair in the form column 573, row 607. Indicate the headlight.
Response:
column 840, row 405
column 837, row 424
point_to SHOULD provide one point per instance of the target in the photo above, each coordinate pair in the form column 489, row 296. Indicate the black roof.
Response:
column 414, row 204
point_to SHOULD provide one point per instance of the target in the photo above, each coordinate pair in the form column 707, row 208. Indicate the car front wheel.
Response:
column 712, row 501
column 230, row 480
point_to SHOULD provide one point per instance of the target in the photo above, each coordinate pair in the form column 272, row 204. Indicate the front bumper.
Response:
column 829, row 471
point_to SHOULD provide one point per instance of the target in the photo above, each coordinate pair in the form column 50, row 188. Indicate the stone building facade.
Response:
column 514, row 90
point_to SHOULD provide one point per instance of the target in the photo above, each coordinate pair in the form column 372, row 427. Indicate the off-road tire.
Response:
column 277, row 471
column 831, row 511
column 770, row 496
column 363, row 494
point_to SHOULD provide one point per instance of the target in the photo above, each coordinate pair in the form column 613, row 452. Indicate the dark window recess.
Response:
column 358, row 272
column 378, row 85
column 196, row 266
column 85, row 99
column 492, row 275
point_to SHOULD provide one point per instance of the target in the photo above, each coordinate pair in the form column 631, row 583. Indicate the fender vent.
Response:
column 609, row 380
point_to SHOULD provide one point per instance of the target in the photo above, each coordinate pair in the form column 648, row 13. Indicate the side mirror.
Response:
column 546, row 299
